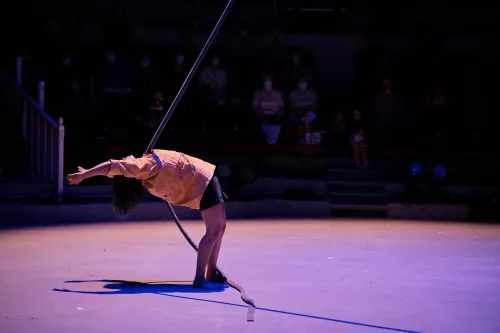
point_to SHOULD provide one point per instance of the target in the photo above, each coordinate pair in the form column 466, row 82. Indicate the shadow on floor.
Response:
column 134, row 287
column 163, row 288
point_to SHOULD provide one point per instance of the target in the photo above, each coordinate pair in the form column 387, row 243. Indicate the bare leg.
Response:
column 212, row 261
column 212, row 218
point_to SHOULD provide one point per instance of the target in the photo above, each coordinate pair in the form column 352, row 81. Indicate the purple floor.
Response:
column 305, row 276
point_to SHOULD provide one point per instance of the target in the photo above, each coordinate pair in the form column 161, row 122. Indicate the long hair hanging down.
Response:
column 127, row 193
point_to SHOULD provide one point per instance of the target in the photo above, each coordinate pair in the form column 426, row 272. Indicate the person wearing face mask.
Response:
column 111, row 75
column 179, row 62
column 303, row 101
column 65, row 95
column 213, row 81
column 388, row 115
column 113, row 86
column 295, row 70
column 269, row 106
column 144, row 85
column 176, row 74
column 213, row 77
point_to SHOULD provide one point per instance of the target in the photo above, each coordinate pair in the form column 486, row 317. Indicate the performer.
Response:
column 181, row 180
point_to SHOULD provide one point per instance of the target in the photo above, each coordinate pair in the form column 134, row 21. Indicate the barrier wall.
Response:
column 34, row 214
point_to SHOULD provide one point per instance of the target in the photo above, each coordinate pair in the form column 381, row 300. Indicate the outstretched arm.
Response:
column 99, row 170
column 130, row 167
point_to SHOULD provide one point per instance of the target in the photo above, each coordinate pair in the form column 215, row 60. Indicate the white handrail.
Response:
column 44, row 137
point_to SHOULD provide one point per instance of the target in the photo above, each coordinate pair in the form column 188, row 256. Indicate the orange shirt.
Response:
column 172, row 176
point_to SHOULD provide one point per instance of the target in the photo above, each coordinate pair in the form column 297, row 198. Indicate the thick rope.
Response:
column 161, row 127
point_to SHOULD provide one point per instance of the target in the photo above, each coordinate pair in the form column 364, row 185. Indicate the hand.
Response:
column 76, row 178
column 130, row 158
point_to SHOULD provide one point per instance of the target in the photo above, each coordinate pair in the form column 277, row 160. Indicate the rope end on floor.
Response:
column 251, row 313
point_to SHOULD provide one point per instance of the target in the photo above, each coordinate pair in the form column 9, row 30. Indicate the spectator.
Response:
column 388, row 111
column 357, row 139
column 213, row 80
column 433, row 117
column 303, row 101
column 171, row 83
column 268, row 106
column 112, row 77
column 294, row 72
column 178, row 72
column 112, row 87
column 145, row 83
column 64, row 94
column 156, row 111
column 337, row 138
column 214, row 97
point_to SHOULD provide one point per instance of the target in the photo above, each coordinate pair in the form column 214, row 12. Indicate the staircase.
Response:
column 27, row 166
column 15, row 182
column 355, row 191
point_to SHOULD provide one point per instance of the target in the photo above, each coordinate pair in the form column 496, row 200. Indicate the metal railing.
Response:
column 42, row 136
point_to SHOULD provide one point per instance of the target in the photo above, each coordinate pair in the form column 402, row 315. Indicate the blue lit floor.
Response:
column 305, row 276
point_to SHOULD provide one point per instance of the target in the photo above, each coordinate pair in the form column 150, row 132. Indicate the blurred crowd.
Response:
column 118, row 97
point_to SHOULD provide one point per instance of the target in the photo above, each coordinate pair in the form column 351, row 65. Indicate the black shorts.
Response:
column 213, row 194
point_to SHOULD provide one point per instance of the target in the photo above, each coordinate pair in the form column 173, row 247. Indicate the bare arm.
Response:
column 99, row 170
column 129, row 167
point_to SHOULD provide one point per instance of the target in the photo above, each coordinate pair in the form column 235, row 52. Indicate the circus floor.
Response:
column 356, row 276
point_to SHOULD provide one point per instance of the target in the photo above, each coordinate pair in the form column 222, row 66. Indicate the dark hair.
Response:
column 127, row 193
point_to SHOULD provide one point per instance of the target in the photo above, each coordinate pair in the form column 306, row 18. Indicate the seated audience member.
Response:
column 145, row 82
column 156, row 112
column 112, row 86
column 303, row 101
column 357, row 139
column 171, row 81
column 338, row 132
column 433, row 117
column 213, row 79
column 65, row 92
column 269, row 106
column 294, row 72
column 177, row 73
column 112, row 77
column 388, row 113
column 339, row 124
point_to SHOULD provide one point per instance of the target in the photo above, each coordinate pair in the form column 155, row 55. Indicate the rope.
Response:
column 161, row 127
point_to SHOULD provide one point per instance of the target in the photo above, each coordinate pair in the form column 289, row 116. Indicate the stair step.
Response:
column 364, row 195
column 345, row 163
column 353, row 175
column 343, row 198
column 19, row 187
column 356, row 187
